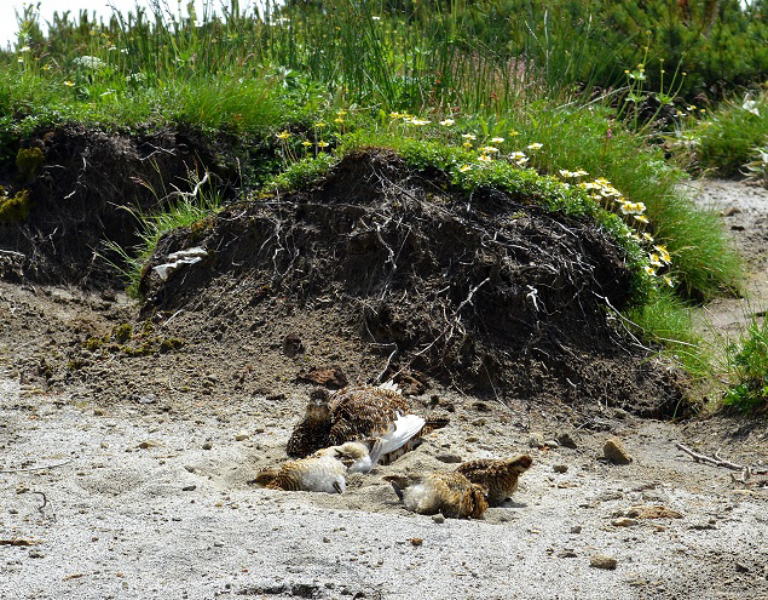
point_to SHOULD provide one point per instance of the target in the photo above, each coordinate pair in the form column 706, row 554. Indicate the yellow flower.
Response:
column 46, row 67
column 306, row 143
column 338, row 120
column 283, row 135
column 321, row 124
column 69, row 83
column 649, row 270
column 642, row 219
column 497, row 140
column 469, row 136
column 447, row 122
column 663, row 254
column 395, row 115
column 464, row 168
column 535, row 146
column 467, row 145
column 513, row 132
column 341, row 113
column 322, row 144
column 668, row 280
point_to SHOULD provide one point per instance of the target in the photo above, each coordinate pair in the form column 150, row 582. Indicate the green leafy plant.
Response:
column 748, row 369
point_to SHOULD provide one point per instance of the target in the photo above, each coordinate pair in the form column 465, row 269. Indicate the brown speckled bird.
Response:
column 360, row 413
column 324, row 471
column 500, row 475
column 449, row 493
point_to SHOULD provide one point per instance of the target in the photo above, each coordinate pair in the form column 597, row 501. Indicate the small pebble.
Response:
column 601, row 561
column 615, row 452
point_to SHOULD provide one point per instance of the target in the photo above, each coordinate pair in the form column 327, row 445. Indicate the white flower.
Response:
column 535, row 146
column 750, row 106
column 497, row 140
column 447, row 122
column 90, row 62
column 25, row 49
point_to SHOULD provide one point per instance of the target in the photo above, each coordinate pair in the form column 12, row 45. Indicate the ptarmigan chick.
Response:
column 500, row 475
column 324, row 471
column 376, row 414
column 451, row 494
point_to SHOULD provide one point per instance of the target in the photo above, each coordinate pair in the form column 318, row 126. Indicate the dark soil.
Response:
column 485, row 293
column 89, row 189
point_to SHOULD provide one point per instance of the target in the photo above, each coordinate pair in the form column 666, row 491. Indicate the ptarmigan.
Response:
column 379, row 415
column 324, row 471
column 449, row 493
column 500, row 475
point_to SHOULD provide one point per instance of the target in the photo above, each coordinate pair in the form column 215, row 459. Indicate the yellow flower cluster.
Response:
column 602, row 191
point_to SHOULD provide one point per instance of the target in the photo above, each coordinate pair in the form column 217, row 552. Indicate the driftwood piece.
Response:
column 747, row 471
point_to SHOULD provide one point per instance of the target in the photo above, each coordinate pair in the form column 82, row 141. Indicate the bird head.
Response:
column 317, row 407
column 519, row 464
column 479, row 498
column 354, row 456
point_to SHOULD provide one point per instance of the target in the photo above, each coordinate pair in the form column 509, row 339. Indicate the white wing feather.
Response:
column 390, row 385
column 403, row 429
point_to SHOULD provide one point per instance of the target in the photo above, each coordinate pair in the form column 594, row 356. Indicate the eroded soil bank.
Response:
column 125, row 454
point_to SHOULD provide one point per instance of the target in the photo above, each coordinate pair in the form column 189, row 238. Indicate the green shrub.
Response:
column 725, row 142
column 748, row 369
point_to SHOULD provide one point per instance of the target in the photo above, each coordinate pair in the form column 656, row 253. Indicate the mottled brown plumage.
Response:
column 449, row 493
column 352, row 413
column 324, row 471
column 499, row 476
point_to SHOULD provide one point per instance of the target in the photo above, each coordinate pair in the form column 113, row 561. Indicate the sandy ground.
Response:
column 147, row 496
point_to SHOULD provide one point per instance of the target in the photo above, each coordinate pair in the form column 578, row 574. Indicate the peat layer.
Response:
column 82, row 187
column 476, row 290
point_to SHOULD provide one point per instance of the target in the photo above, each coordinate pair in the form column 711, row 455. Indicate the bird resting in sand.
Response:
column 324, row 471
column 377, row 414
column 449, row 493
column 499, row 475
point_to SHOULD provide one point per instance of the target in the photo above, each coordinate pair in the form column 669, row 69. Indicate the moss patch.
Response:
column 14, row 209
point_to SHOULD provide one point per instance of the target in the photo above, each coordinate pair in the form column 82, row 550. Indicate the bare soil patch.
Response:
column 86, row 186
column 487, row 293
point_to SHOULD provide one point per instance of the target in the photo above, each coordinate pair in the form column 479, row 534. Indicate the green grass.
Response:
column 666, row 320
column 184, row 211
column 748, row 369
column 726, row 141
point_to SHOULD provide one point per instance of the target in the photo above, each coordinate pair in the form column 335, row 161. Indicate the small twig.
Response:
column 380, row 376
column 718, row 462
column 66, row 462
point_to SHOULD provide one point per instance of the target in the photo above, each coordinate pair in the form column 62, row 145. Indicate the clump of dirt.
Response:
column 484, row 291
column 84, row 186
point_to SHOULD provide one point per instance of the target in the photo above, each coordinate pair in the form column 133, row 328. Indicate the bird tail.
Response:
column 433, row 422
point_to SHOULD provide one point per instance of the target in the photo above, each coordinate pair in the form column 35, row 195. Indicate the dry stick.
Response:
column 708, row 459
column 718, row 462
column 66, row 462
